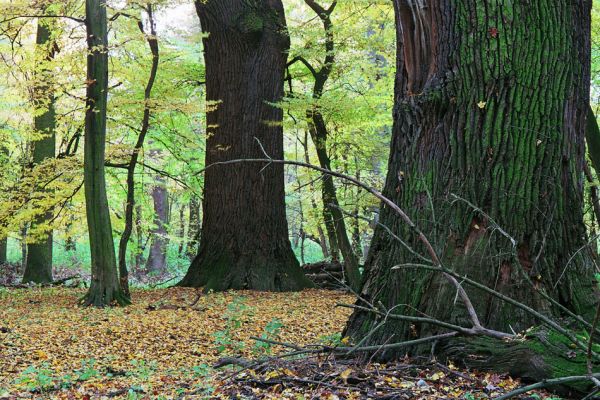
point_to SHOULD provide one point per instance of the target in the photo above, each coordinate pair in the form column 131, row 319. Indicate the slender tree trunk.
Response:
column 181, row 233
column 3, row 251
column 39, row 254
column 105, row 288
column 313, row 203
column 490, row 105
column 245, row 243
column 157, row 258
column 193, row 236
column 139, row 239
column 129, row 207
column 332, row 213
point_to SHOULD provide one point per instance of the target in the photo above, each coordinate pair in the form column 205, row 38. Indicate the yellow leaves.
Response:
column 143, row 347
column 482, row 104
column 40, row 355
column 436, row 376
column 346, row 374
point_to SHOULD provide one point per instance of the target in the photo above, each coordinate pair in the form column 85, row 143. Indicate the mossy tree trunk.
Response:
column 491, row 103
column 105, row 288
column 245, row 243
column 38, row 265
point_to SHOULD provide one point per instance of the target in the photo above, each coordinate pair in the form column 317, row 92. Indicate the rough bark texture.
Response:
column 541, row 355
column 38, row 266
column 245, row 243
column 491, row 105
column 105, row 288
column 157, row 258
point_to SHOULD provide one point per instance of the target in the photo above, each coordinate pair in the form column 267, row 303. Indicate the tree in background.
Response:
column 244, row 242
column 333, row 215
column 105, row 288
column 487, row 158
column 38, row 265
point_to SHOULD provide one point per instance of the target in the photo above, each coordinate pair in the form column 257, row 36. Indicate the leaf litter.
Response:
column 165, row 346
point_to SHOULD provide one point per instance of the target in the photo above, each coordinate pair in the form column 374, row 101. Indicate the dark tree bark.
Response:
column 245, row 243
column 137, row 148
column 105, row 288
column 157, row 258
column 490, row 105
column 38, row 266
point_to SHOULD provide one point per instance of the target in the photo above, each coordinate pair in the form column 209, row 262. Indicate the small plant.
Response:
column 36, row 378
column 87, row 370
column 202, row 372
column 143, row 370
column 333, row 340
column 234, row 314
column 271, row 332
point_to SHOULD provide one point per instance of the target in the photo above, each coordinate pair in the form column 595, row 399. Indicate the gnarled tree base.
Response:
column 98, row 296
column 246, row 272
column 539, row 356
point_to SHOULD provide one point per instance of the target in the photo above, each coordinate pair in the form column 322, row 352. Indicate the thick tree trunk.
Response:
column 38, row 267
column 491, row 105
column 157, row 258
column 105, row 288
column 245, row 243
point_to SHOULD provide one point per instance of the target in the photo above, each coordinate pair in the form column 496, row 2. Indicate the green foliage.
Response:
column 224, row 340
column 356, row 104
column 36, row 378
column 271, row 332
column 87, row 370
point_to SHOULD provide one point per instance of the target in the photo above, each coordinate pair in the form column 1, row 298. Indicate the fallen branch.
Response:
column 546, row 383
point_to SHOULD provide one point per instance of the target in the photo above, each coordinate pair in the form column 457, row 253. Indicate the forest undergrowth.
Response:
column 167, row 345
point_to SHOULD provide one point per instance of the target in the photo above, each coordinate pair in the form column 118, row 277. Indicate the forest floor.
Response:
column 165, row 345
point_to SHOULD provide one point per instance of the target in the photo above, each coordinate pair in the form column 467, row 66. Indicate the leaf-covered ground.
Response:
column 164, row 346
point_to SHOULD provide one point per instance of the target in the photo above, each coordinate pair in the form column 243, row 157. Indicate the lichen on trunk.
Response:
column 487, row 157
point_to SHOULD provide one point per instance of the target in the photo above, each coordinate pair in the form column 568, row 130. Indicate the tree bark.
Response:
column 105, row 288
column 245, row 243
column 157, row 258
column 38, row 266
column 490, row 105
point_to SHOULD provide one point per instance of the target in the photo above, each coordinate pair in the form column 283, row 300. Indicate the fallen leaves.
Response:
column 158, row 344
column 165, row 345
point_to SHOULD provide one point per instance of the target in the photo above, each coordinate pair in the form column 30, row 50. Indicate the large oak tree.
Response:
column 487, row 157
column 244, row 242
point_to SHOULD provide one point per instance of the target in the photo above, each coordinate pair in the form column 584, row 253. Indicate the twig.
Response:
column 545, row 383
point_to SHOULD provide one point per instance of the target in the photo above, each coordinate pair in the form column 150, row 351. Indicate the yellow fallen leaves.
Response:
column 145, row 343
